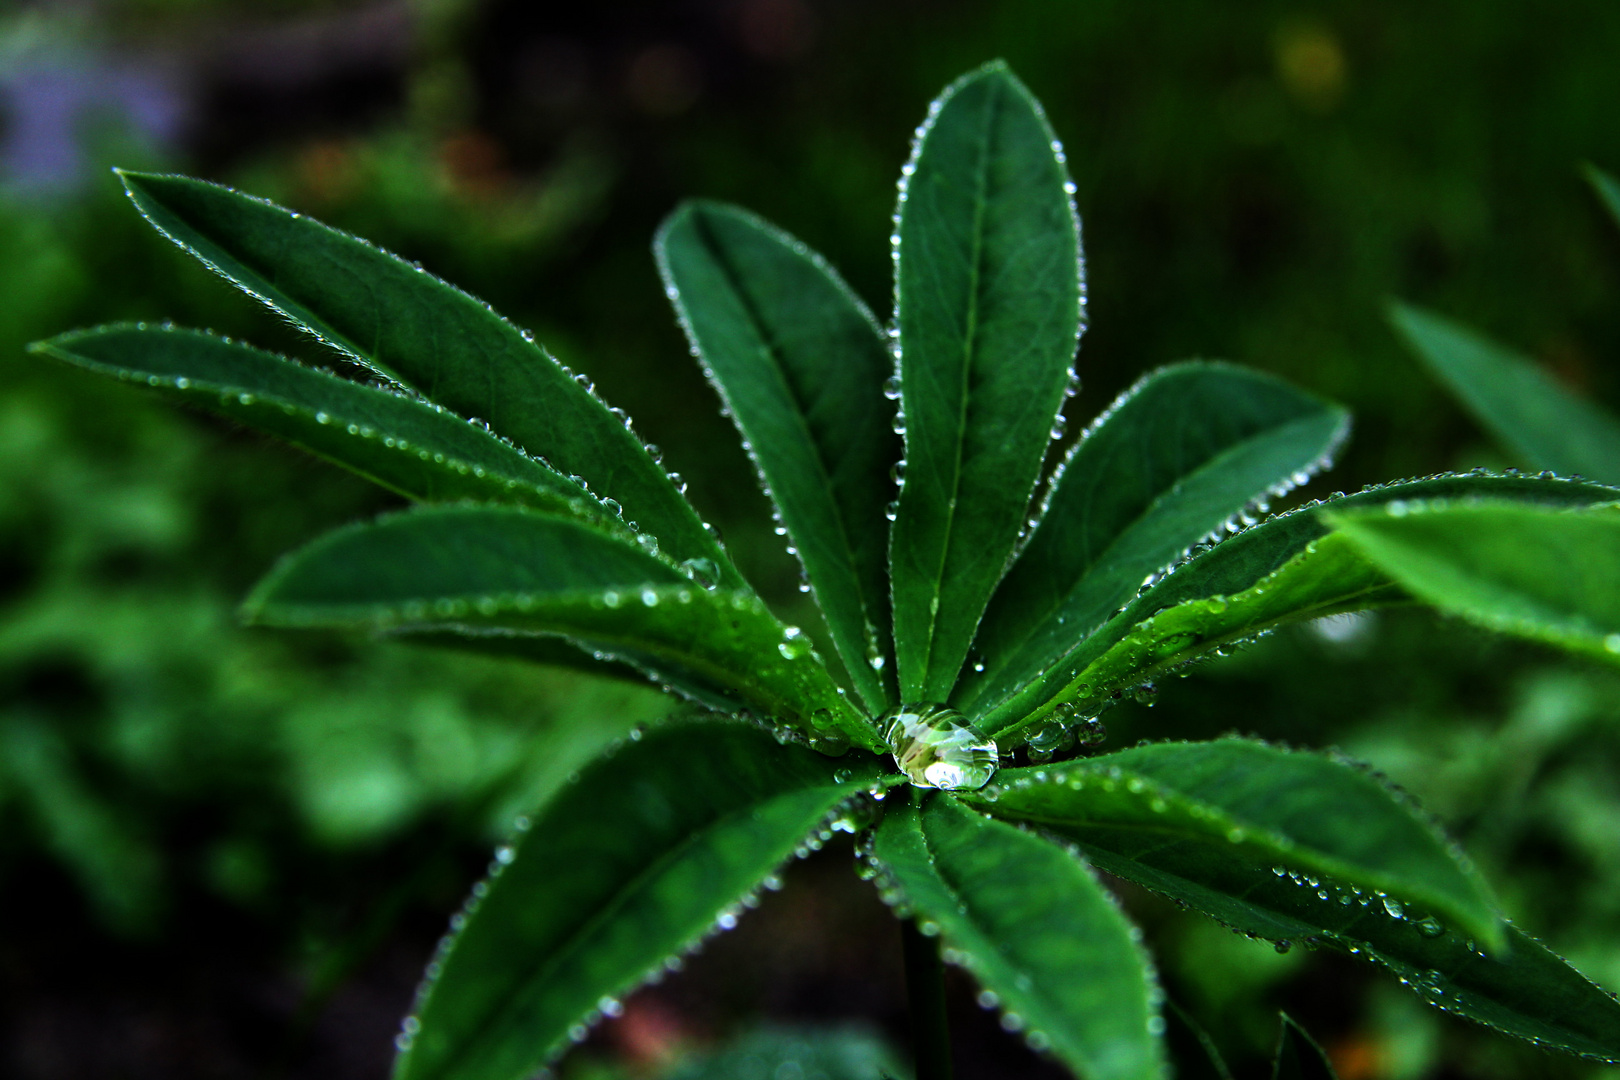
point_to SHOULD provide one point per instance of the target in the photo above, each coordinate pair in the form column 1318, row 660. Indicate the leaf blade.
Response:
column 1289, row 567
column 660, row 839
column 1548, row 575
column 1035, row 928
column 988, row 303
column 425, row 334
column 800, row 363
column 1304, row 812
column 1541, row 421
column 399, row 442
column 1525, row 991
column 1173, row 459
column 485, row 569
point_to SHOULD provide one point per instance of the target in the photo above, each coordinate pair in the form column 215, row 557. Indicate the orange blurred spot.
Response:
column 473, row 163
column 1357, row 1058
column 649, row 1034
column 328, row 170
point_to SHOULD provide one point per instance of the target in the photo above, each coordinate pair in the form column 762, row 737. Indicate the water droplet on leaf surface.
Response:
column 935, row 747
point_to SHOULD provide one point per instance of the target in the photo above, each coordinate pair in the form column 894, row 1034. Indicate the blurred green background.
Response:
column 227, row 853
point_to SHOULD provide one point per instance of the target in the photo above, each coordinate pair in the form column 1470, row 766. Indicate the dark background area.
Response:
column 228, row 853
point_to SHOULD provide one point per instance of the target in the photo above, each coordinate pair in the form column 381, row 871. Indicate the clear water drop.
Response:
column 703, row 571
column 935, row 747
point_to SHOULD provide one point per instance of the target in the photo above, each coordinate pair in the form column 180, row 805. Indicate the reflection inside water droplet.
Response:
column 935, row 747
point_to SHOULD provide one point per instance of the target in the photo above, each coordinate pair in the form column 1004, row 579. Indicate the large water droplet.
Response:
column 935, row 747
column 702, row 571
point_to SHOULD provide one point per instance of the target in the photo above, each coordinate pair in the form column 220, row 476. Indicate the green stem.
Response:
column 925, row 987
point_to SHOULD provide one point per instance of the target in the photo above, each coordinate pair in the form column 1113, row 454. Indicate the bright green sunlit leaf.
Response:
column 1546, row 573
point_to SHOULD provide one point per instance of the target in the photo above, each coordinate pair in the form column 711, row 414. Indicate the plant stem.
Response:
column 925, row 987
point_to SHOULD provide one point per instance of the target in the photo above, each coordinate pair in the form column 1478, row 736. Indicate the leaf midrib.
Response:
column 969, row 347
column 964, row 912
column 801, row 422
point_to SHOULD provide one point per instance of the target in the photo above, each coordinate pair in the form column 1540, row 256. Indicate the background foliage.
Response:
column 232, row 850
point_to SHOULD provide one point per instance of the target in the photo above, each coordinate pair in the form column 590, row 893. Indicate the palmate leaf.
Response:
column 1304, row 813
column 422, row 333
column 1176, row 457
column 1544, row 573
column 800, row 363
column 507, row 570
column 1524, row 990
column 404, row 444
column 1287, row 568
column 1545, row 424
column 988, row 304
column 652, row 848
column 1035, row 928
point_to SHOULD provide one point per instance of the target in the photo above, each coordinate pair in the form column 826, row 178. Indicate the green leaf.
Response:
column 406, row 324
column 1545, row 573
column 1298, row 1056
column 988, row 302
column 1304, row 813
column 404, row 444
column 800, row 363
column 1608, row 190
column 1287, row 568
column 507, row 570
column 649, row 851
column 1173, row 460
column 1536, row 417
column 1524, row 990
column 1035, row 928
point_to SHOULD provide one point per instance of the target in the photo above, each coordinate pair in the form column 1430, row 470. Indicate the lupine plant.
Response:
column 978, row 618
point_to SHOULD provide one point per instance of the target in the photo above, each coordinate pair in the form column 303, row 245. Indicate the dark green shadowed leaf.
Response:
column 650, row 850
column 1036, row 930
column 1548, row 574
column 988, row 302
column 404, row 444
column 1176, row 457
column 1305, row 813
column 1608, row 190
column 1545, row 424
column 488, row 570
column 800, row 363
column 1287, row 568
column 427, row 335
column 1524, row 990
column 1298, row 1056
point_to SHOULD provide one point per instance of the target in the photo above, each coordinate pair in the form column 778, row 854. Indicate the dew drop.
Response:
column 703, row 571
column 935, row 747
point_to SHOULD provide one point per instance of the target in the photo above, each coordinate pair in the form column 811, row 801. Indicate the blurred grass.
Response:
column 1255, row 183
